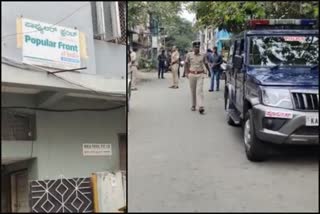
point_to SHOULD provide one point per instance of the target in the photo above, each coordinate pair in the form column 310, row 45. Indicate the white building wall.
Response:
column 59, row 139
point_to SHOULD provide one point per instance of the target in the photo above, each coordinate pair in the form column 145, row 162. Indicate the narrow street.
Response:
column 180, row 160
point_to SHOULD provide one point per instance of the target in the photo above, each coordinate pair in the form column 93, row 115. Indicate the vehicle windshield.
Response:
column 284, row 50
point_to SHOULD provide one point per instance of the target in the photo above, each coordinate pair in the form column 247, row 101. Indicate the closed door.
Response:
column 19, row 192
column 123, row 152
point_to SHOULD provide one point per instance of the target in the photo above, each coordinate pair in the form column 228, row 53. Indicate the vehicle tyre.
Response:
column 227, row 107
column 256, row 151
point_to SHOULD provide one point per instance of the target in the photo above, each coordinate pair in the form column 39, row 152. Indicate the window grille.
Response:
column 109, row 21
column 17, row 126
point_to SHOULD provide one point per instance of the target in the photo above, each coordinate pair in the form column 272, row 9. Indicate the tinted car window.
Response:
column 284, row 50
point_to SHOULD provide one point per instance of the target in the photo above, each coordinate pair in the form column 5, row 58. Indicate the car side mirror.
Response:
column 238, row 61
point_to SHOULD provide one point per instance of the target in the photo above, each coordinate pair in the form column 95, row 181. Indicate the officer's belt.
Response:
column 196, row 72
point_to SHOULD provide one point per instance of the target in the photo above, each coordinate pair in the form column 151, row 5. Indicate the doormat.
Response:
column 62, row 195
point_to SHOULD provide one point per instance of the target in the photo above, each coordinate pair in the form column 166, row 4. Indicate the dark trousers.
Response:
column 161, row 69
column 209, row 72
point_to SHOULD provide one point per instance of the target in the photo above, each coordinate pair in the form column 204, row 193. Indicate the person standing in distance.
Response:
column 196, row 72
column 162, row 62
column 134, row 69
column 174, row 67
column 208, row 56
column 216, row 69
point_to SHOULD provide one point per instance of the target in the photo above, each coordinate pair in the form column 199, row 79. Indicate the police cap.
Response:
column 196, row 44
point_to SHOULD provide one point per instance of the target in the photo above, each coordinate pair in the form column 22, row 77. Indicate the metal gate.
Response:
column 62, row 195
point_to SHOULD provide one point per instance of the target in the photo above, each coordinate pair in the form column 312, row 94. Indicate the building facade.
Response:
column 57, row 123
column 211, row 37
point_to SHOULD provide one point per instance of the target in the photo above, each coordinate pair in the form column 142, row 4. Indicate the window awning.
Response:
column 8, row 161
column 68, row 82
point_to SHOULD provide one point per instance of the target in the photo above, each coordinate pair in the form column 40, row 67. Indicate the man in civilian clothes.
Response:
column 162, row 62
column 216, row 69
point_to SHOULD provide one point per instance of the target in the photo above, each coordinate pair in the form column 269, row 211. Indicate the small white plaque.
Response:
column 96, row 149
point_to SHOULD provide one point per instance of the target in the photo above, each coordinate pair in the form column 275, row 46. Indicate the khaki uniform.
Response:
column 175, row 58
column 196, row 64
column 134, row 68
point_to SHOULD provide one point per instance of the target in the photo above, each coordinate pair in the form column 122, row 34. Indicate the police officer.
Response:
column 174, row 67
column 196, row 72
column 134, row 69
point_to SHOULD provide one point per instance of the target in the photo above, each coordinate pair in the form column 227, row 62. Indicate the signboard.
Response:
column 294, row 38
column 278, row 114
column 96, row 149
column 51, row 46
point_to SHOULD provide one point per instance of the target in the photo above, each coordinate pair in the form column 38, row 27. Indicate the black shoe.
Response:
column 210, row 90
column 217, row 90
column 201, row 110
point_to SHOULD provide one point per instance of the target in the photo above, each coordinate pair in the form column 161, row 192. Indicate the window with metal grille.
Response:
column 123, row 18
column 109, row 21
column 17, row 126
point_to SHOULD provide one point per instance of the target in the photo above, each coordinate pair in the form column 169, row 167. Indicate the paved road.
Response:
column 182, row 161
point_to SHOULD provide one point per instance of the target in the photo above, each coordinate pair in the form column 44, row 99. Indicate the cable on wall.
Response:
column 13, row 63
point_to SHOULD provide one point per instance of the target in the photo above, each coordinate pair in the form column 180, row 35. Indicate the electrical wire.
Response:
column 69, row 15
column 11, row 63
column 71, row 82
column 63, row 110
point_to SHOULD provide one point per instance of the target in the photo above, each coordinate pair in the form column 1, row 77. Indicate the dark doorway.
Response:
column 123, row 151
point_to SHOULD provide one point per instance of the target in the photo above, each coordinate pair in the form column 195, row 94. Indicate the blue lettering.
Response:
column 28, row 38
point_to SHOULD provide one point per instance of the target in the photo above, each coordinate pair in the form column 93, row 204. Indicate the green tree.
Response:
column 180, row 33
column 165, row 11
column 233, row 16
